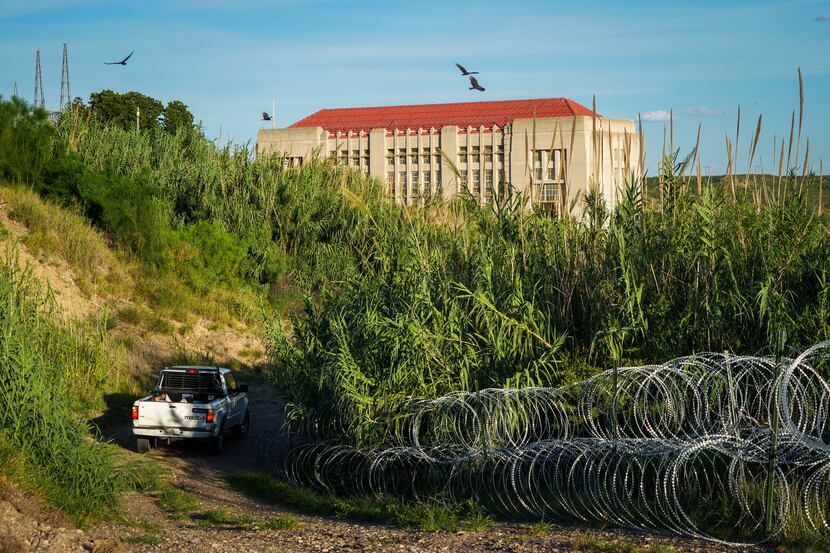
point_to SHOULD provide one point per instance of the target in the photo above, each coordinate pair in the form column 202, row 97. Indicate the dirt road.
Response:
column 203, row 474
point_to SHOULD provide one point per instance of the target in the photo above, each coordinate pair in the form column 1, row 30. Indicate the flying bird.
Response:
column 122, row 62
column 474, row 84
column 464, row 71
column 265, row 116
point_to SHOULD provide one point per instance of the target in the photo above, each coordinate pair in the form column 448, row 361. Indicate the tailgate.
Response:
column 171, row 415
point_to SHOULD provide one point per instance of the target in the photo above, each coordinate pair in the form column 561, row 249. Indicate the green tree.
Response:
column 120, row 109
column 177, row 116
column 25, row 141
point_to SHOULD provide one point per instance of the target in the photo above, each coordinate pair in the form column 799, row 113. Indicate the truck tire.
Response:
column 218, row 442
column 241, row 430
column 143, row 445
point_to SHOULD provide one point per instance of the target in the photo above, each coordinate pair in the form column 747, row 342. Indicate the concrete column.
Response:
column 433, row 168
column 449, row 147
column 420, row 165
column 482, row 180
column 395, row 152
column 407, row 162
column 377, row 153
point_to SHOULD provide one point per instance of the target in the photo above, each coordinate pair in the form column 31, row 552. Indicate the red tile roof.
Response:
column 464, row 114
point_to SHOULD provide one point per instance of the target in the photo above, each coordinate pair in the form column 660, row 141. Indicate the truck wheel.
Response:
column 143, row 445
column 218, row 442
column 241, row 430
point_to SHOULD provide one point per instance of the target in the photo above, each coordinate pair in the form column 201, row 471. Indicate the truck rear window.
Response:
column 185, row 382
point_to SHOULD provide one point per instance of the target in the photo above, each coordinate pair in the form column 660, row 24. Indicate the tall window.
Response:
column 414, row 187
column 547, row 165
column 462, row 154
column 549, row 179
column 538, row 165
column 390, row 183
column 477, row 183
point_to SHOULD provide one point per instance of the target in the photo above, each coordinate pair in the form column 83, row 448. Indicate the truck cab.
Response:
column 192, row 402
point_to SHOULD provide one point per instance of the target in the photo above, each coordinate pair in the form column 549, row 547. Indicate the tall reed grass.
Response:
column 51, row 373
column 457, row 296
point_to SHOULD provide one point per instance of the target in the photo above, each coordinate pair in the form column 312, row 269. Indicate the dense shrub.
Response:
column 25, row 141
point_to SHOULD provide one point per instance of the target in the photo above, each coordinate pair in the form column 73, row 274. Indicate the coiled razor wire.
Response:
column 688, row 451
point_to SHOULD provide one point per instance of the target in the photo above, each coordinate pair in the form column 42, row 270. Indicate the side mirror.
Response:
column 242, row 388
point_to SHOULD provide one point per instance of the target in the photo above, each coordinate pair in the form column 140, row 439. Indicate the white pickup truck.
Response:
column 192, row 403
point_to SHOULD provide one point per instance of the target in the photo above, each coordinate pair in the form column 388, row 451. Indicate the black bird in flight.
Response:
column 265, row 116
column 474, row 84
column 464, row 71
column 122, row 62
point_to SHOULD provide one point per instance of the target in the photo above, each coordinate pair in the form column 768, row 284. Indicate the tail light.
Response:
column 210, row 416
column 135, row 412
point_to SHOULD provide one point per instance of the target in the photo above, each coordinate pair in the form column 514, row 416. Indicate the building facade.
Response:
column 554, row 148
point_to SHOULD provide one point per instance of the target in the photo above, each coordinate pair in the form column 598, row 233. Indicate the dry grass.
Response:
column 59, row 231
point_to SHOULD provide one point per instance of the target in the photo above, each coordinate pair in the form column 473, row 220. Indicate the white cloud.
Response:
column 703, row 111
column 822, row 18
column 657, row 115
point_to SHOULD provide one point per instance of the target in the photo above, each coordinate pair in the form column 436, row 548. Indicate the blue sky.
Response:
column 228, row 60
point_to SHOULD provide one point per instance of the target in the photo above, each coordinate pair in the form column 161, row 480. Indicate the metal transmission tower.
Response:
column 66, row 95
column 38, row 103
column 14, row 94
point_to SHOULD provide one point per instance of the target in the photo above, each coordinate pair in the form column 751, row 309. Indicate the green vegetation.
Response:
column 113, row 108
column 230, row 519
column 425, row 514
column 148, row 533
column 178, row 503
column 373, row 304
column 538, row 529
column 62, row 233
column 280, row 523
column 225, row 517
column 504, row 296
column 51, row 372
column 592, row 544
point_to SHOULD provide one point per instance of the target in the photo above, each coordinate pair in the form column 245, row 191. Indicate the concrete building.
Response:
column 553, row 147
